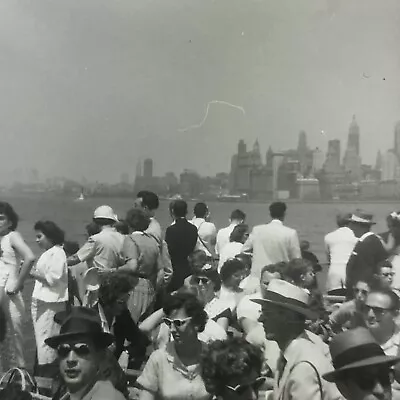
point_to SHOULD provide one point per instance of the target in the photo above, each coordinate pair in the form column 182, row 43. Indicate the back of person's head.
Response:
column 149, row 199
column 227, row 361
column 245, row 258
column 294, row 271
column 200, row 210
column 197, row 259
column 231, row 267
column 122, row 227
column 184, row 299
column 238, row 216
column 238, row 233
column 71, row 248
column 342, row 219
column 179, row 208
column 277, row 210
column 274, row 268
column 137, row 219
column 114, row 285
column 51, row 230
column 7, row 210
column 92, row 228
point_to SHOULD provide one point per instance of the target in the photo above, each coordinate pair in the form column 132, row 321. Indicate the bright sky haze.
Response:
column 89, row 87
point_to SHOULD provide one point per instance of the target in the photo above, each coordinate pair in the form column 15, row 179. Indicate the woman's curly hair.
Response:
column 114, row 285
column 227, row 360
column 187, row 300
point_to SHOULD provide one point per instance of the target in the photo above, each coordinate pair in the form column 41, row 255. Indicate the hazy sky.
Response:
column 90, row 86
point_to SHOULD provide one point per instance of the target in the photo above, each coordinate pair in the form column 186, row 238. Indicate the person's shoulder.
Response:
column 105, row 390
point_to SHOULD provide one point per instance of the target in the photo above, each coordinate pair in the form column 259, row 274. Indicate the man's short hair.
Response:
column 149, row 199
column 273, row 268
column 394, row 299
column 277, row 210
column 200, row 210
column 238, row 215
column 179, row 208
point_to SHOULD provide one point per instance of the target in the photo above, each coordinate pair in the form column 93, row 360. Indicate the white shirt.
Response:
column 271, row 243
column 52, row 266
column 207, row 233
column 223, row 236
column 229, row 251
column 339, row 245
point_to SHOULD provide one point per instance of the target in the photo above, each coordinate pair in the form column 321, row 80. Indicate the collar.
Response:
column 277, row 221
column 195, row 219
column 288, row 353
column 366, row 234
column 178, row 365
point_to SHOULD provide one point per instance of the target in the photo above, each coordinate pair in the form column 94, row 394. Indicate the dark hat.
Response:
column 362, row 217
column 356, row 348
column 80, row 322
column 285, row 294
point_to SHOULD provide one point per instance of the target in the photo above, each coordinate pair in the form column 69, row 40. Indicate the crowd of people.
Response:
column 204, row 313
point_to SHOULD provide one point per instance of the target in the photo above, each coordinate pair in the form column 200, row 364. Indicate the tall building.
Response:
column 354, row 136
column 318, row 160
column 378, row 162
column 302, row 152
column 397, row 139
column 390, row 164
column 269, row 156
column 352, row 165
column 148, row 168
column 138, row 169
column 332, row 162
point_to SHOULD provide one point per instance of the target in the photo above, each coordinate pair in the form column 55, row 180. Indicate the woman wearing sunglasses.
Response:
column 173, row 372
column 231, row 369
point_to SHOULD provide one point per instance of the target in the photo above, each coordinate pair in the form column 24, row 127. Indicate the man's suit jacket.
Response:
column 271, row 243
column 181, row 238
column 299, row 379
column 363, row 262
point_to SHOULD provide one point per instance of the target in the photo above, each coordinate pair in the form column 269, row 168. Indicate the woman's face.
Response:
column 5, row 224
column 236, row 278
column 205, row 287
column 309, row 277
column 120, row 304
column 42, row 241
column 244, row 388
column 181, row 326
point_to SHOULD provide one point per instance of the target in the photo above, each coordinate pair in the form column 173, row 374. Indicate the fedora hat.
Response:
column 80, row 322
column 287, row 295
column 356, row 348
column 362, row 217
column 105, row 212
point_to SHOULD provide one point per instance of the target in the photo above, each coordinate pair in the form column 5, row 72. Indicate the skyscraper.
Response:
column 332, row 163
column 354, row 136
column 148, row 168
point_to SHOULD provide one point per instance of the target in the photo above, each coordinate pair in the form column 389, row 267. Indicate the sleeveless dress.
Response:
column 12, row 349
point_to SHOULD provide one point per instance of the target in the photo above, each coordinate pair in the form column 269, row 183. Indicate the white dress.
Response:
column 12, row 349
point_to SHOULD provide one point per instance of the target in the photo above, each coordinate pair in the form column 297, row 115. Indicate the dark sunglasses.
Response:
column 368, row 380
column 378, row 311
column 201, row 280
column 81, row 350
column 178, row 323
column 255, row 386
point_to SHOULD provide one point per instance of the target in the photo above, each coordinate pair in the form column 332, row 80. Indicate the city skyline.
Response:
column 98, row 83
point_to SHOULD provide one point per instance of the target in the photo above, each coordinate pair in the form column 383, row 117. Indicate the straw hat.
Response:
column 91, row 279
column 285, row 294
column 356, row 348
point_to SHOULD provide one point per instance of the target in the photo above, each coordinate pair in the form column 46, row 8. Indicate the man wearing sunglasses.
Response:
column 362, row 370
column 81, row 347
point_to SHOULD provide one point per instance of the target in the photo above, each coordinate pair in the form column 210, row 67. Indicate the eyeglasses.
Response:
column 255, row 386
column 360, row 291
column 177, row 323
column 366, row 380
column 378, row 311
column 81, row 350
column 201, row 280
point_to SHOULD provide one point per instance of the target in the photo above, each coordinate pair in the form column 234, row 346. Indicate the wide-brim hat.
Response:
column 105, row 212
column 356, row 348
column 81, row 322
column 286, row 295
column 362, row 217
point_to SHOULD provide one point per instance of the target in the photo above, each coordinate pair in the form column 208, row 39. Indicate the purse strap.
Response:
column 317, row 373
column 24, row 375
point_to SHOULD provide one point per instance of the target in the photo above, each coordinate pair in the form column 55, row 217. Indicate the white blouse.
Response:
column 52, row 267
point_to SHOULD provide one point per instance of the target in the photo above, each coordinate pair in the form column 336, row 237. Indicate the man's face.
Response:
column 360, row 290
column 79, row 363
column 386, row 277
column 368, row 383
column 138, row 203
column 378, row 314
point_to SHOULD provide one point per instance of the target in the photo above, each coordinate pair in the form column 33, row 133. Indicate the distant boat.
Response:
column 81, row 197
column 232, row 198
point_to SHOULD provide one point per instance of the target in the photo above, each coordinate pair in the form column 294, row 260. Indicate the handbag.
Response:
column 18, row 379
